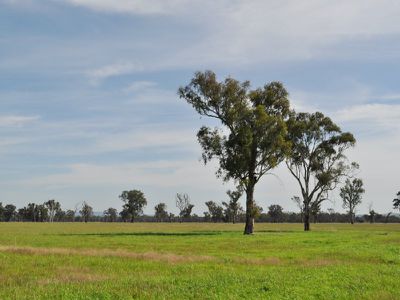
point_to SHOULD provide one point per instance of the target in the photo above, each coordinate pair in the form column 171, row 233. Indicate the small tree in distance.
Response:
column 53, row 207
column 233, row 207
column 161, row 213
column 275, row 212
column 351, row 195
column 86, row 212
column 184, row 205
column 215, row 211
column 396, row 202
column 110, row 214
column 135, row 201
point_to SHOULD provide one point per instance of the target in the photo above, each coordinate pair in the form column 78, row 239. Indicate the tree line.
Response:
column 230, row 211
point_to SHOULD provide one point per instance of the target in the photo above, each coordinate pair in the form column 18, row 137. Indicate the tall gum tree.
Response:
column 317, row 159
column 252, row 137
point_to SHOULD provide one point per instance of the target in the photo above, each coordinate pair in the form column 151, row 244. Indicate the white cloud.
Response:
column 140, row 86
column 117, row 69
column 384, row 115
column 16, row 121
column 145, row 7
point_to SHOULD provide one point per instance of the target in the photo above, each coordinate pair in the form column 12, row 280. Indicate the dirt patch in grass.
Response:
column 273, row 261
column 164, row 257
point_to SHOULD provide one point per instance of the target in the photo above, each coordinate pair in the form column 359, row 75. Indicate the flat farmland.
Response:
column 198, row 261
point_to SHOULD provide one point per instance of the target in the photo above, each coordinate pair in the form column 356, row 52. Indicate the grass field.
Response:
column 198, row 261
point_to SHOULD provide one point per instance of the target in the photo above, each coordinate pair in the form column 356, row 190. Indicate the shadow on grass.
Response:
column 111, row 234
column 277, row 231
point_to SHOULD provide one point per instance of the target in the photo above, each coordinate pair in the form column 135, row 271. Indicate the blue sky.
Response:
column 89, row 105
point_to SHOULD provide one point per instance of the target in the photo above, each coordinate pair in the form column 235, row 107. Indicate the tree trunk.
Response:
column 351, row 217
column 248, row 229
column 306, row 217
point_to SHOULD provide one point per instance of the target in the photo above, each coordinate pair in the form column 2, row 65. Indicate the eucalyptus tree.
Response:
column 275, row 212
column 134, row 201
column 351, row 194
column 160, row 212
column 1, row 212
column 317, row 160
column 396, row 201
column 184, row 205
column 52, row 206
column 233, row 207
column 10, row 212
column 110, row 214
column 86, row 211
column 251, row 138
column 215, row 211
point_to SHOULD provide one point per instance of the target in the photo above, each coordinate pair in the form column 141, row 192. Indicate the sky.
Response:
column 89, row 105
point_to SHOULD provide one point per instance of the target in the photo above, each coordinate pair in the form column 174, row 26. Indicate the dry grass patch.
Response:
column 164, row 257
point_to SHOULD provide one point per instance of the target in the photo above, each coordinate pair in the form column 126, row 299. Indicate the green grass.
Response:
column 198, row 261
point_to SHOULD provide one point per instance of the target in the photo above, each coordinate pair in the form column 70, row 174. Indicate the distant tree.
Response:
column 351, row 195
column 31, row 212
column 70, row 215
column 275, row 212
column 42, row 213
column 396, row 202
column 86, row 212
column 317, row 159
column 315, row 211
column 52, row 206
column 110, row 215
column 184, row 205
column 134, row 201
column 171, row 217
column 372, row 213
column 215, row 211
column 1, row 212
column 233, row 207
column 300, row 205
column 160, row 213
column 125, row 215
column 9, row 212
column 252, row 139
column 60, row 215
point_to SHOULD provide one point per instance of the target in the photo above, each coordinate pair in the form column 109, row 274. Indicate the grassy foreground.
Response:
column 198, row 261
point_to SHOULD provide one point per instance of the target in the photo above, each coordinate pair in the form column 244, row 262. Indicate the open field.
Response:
column 199, row 261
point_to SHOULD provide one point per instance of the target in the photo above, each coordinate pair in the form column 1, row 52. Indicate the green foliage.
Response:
column 396, row 202
column 111, row 214
column 233, row 207
column 161, row 213
column 53, row 207
column 252, row 139
column 317, row 159
column 275, row 212
column 351, row 195
column 134, row 201
column 86, row 211
column 215, row 211
column 9, row 212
